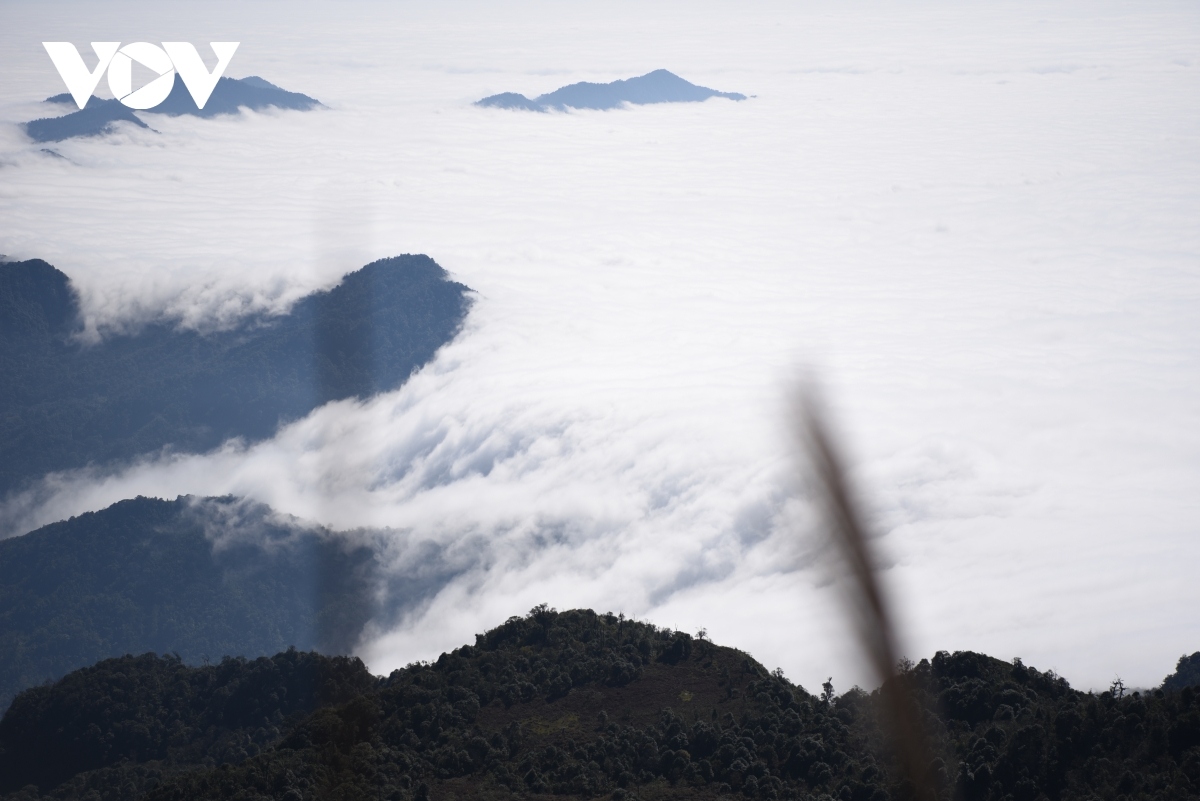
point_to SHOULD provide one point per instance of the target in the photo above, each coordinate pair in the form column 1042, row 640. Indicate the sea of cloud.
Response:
column 979, row 226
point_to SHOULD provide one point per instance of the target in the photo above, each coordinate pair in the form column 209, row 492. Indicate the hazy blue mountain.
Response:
column 66, row 405
column 510, row 100
column 230, row 94
column 263, row 83
column 94, row 119
column 659, row 86
column 143, row 575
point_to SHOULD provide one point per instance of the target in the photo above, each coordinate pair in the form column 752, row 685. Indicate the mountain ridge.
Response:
column 98, row 116
column 658, row 86
column 198, row 577
column 581, row 705
column 67, row 405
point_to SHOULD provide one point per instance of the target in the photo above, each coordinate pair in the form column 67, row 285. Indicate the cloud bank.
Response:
column 977, row 225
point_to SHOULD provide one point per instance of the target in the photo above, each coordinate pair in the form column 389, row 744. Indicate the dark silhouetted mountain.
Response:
column 96, row 118
column 67, row 405
column 1187, row 673
column 151, row 709
column 200, row 578
column 659, row 86
column 580, row 705
column 229, row 95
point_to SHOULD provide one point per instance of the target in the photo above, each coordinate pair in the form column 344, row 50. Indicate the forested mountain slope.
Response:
column 145, row 575
column 149, row 709
column 65, row 405
column 1187, row 673
column 579, row 705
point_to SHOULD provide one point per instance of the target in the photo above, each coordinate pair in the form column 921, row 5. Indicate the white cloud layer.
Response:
column 980, row 224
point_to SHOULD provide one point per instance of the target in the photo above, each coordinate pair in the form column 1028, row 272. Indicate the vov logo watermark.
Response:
column 172, row 57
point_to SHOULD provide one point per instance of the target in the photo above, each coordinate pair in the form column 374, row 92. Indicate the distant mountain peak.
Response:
column 261, row 83
column 659, row 86
column 98, row 117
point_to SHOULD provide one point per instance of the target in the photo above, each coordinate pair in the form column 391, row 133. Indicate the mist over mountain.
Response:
column 232, row 94
column 978, row 224
column 66, row 404
column 94, row 119
column 98, row 116
column 582, row 705
column 659, row 86
column 201, row 578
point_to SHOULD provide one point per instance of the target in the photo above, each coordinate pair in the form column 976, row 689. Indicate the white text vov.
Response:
column 172, row 57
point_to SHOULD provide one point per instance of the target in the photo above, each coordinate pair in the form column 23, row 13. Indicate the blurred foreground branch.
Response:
column 870, row 609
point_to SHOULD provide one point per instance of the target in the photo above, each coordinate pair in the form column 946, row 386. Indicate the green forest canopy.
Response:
column 579, row 705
